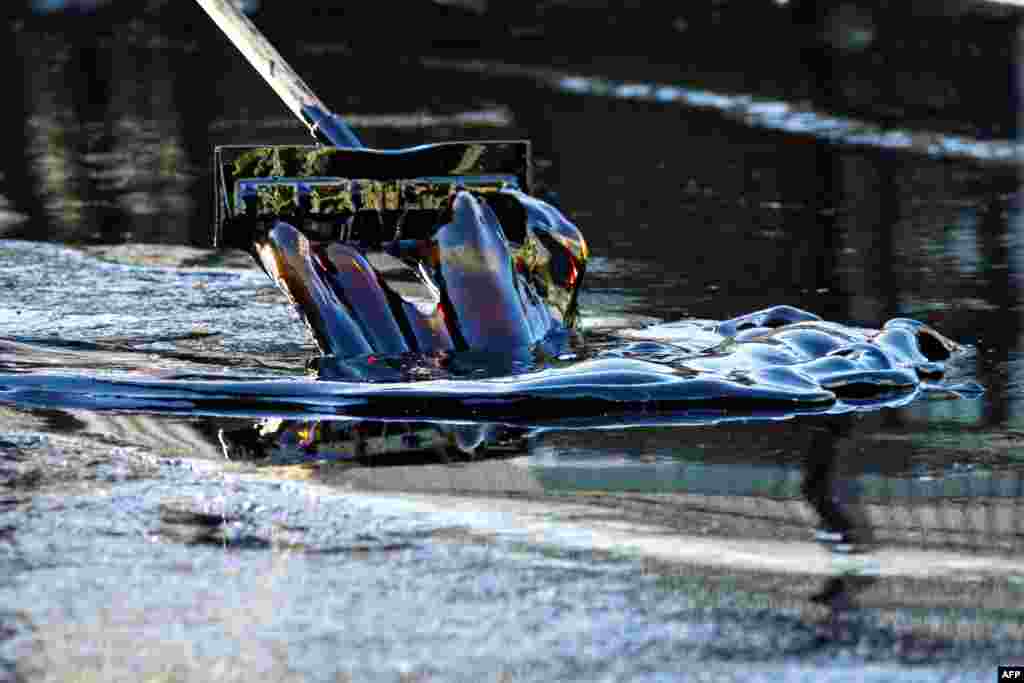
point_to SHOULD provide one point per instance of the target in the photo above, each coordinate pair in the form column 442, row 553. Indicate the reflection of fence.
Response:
column 165, row 436
column 980, row 510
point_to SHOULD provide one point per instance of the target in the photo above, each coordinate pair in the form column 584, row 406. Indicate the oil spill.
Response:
column 772, row 371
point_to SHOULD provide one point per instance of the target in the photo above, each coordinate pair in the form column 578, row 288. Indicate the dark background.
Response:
column 114, row 106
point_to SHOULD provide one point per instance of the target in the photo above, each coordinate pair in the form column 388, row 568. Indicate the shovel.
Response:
column 433, row 248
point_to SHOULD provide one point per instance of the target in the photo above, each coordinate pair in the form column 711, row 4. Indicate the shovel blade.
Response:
column 323, row 190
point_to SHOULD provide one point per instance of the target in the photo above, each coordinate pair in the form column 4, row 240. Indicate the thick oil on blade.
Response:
column 287, row 257
column 483, row 302
column 355, row 282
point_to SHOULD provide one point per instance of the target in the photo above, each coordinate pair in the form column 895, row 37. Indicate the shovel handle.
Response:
column 325, row 126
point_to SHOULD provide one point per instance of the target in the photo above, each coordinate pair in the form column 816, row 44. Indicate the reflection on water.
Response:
column 853, row 503
column 761, row 113
column 277, row 441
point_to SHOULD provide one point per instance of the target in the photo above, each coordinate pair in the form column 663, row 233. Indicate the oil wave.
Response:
column 772, row 364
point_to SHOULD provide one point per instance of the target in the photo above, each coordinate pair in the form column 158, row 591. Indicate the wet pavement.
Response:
column 148, row 565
